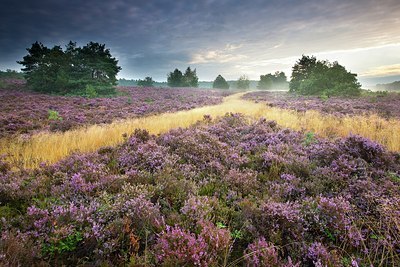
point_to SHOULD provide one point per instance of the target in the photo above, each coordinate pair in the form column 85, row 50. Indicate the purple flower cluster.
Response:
column 385, row 105
column 228, row 191
column 24, row 112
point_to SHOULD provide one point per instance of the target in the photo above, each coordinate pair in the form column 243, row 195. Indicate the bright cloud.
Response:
column 224, row 55
column 388, row 70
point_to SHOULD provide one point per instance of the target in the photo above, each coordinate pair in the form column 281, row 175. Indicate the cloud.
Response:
column 218, row 56
column 387, row 70
column 227, row 37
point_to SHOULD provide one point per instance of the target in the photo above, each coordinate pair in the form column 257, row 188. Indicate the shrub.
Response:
column 261, row 253
column 54, row 115
column 177, row 247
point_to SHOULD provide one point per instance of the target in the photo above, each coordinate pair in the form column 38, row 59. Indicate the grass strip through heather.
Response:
column 51, row 147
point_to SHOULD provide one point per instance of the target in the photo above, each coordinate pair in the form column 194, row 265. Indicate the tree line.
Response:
column 91, row 70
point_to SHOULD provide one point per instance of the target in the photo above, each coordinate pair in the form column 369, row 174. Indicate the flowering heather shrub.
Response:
column 328, row 216
column 198, row 208
column 242, row 181
column 261, row 253
column 287, row 188
column 30, row 113
column 320, row 256
column 177, row 247
column 218, row 240
column 142, row 214
column 281, row 223
column 230, row 187
column 371, row 152
column 146, row 156
column 198, row 148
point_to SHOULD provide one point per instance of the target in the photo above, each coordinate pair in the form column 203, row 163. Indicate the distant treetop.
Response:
column 147, row 82
column 177, row 79
column 273, row 81
column 220, row 83
column 243, row 82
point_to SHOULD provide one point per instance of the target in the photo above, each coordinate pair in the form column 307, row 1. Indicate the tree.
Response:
column 266, row 81
column 72, row 70
column 175, row 78
column 273, row 81
column 190, row 78
column 243, row 82
column 147, row 82
column 323, row 78
column 301, row 71
column 220, row 83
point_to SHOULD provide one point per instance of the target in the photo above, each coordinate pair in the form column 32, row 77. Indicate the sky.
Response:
column 227, row 37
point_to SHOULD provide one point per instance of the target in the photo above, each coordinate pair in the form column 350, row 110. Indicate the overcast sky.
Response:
column 227, row 37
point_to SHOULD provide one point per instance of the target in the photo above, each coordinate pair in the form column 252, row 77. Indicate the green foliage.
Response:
column 324, row 96
column 309, row 138
column 147, row 82
column 190, row 78
column 273, row 81
column 69, row 71
column 220, row 83
column 177, row 79
column 220, row 225
column 237, row 234
column 3, row 85
column 394, row 177
column 54, row 116
column 243, row 82
column 312, row 77
column 90, row 91
column 149, row 100
column 63, row 245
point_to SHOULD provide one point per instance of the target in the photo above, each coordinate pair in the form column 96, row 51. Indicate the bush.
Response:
column 54, row 115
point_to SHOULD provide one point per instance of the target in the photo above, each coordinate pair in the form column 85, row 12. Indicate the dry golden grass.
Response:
column 51, row 147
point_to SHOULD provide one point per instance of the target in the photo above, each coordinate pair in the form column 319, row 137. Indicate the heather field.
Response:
column 200, row 133
column 189, row 177
column 384, row 104
column 25, row 112
column 232, row 191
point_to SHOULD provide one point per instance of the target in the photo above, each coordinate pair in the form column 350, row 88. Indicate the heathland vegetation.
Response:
column 191, row 177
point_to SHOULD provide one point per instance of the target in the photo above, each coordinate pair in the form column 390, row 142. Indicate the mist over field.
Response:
column 200, row 133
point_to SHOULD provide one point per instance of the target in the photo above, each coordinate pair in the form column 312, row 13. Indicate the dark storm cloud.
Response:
column 153, row 37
